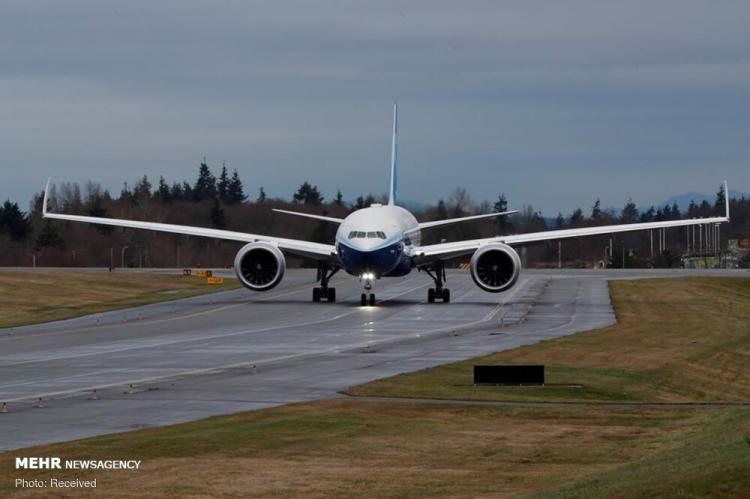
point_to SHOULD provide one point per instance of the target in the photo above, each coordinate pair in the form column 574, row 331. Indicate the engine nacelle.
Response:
column 259, row 266
column 495, row 267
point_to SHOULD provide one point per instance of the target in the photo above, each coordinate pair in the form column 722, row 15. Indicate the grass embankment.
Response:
column 345, row 448
column 676, row 340
column 32, row 297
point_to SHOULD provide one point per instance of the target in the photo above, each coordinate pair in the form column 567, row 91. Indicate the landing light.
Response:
column 368, row 276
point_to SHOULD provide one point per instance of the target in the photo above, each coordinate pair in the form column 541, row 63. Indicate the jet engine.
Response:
column 495, row 267
column 259, row 266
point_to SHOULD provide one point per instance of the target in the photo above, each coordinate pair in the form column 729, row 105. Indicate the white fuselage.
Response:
column 377, row 240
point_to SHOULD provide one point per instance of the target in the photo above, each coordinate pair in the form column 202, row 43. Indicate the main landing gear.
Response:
column 437, row 272
column 324, row 292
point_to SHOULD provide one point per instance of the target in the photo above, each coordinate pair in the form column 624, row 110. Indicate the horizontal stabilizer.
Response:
column 310, row 215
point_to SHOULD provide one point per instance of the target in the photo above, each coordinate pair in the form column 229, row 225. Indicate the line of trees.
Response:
column 222, row 202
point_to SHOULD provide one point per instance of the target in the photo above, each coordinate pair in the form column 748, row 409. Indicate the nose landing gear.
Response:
column 364, row 299
column 437, row 273
column 324, row 292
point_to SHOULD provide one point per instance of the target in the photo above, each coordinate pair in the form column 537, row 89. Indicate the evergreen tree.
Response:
column 576, row 218
column 235, row 190
column 142, row 189
column 720, row 201
column 596, row 211
column 308, row 194
column 648, row 215
column 223, row 185
column 667, row 212
column 163, row 192
column 442, row 211
column 261, row 195
column 187, row 192
column 49, row 238
column 705, row 209
column 14, row 221
column 339, row 200
column 502, row 223
column 559, row 221
column 205, row 185
column 126, row 195
column 629, row 212
column 175, row 192
column 97, row 209
column 676, row 214
column 218, row 218
column 692, row 209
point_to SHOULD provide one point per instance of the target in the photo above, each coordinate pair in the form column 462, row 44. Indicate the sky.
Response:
column 553, row 103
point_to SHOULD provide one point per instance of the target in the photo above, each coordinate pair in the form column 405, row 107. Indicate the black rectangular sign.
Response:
column 509, row 375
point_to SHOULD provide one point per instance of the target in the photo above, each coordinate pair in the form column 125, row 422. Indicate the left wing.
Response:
column 433, row 252
column 315, row 251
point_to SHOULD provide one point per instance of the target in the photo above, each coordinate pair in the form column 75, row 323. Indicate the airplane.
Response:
column 382, row 241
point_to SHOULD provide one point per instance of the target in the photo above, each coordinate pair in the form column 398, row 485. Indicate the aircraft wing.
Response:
column 310, row 215
column 436, row 223
column 445, row 251
column 307, row 249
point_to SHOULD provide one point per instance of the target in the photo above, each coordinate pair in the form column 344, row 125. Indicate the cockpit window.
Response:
column 369, row 235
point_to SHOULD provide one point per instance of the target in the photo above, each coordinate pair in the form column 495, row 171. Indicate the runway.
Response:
column 238, row 350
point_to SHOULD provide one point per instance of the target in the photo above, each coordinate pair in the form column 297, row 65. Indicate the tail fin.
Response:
column 394, row 158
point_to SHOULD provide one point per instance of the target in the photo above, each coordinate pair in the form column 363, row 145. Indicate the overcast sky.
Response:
column 554, row 103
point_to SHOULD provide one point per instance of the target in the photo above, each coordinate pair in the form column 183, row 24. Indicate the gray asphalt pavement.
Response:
column 194, row 358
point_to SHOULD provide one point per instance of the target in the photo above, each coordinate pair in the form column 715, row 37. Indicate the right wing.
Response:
column 310, row 215
column 445, row 251
column 315, row 251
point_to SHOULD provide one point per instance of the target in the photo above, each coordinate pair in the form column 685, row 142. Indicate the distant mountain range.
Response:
column 683, row 200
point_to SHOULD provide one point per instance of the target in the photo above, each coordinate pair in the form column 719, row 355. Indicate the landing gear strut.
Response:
column 367, row 297
column 324, row 292
column 437, row 272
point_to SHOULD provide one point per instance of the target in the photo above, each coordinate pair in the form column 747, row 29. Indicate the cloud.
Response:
column 550, row 102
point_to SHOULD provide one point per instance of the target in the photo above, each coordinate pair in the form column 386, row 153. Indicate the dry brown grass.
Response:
column 349, row 448
column 31, row 297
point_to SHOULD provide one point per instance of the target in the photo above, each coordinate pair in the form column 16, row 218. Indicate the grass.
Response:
column 676, row 340
column 32, row 297
column 348, row 447
column 711, row 460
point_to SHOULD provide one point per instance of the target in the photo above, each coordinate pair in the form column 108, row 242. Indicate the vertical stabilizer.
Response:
column 394, row 158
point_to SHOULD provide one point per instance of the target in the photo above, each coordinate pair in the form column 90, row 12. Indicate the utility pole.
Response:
column 559, row 254
column 122, row 256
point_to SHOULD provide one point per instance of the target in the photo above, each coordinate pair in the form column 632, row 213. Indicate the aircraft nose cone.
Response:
column 369, row 258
